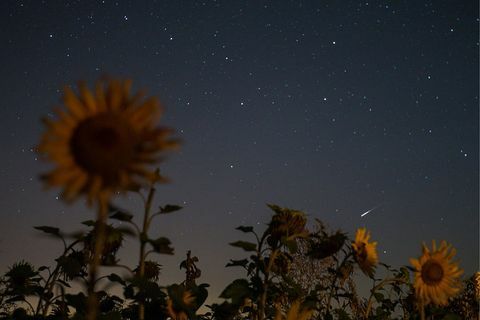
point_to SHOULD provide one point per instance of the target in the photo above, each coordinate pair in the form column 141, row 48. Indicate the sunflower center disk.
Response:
column 104, row 145
column 432, row 272
column 362, row 252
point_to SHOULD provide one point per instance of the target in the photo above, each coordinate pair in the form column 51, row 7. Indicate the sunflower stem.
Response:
column 334, row 281
column 375, row 288
column 50, row 282
column 422, row 311
column 92, row 305
column 141, row 264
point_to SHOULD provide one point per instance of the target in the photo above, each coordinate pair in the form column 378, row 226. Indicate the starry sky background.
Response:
column 331, row 107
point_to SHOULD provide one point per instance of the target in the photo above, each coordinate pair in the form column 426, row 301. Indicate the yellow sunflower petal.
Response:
column 87, row 98
column 103, row 141
column 436, row 276
column 73, row 104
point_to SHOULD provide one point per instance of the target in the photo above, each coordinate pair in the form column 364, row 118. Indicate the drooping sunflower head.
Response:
column 113, row 242
column 151, row 270
column 436, row 275
column 103, row 141
column 365, row 252
column 287, row 223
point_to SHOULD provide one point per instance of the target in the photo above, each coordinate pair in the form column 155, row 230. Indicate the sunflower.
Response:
column 287, row 223
column 365, row 252
column 476, row 282
column 296, row 312
column 176, row 312
column 103, row 141
column 436, row 275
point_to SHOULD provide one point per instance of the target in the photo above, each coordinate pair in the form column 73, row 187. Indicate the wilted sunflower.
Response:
column 365, row 252
column 151, row 270
column 436, row 275
column 287, row 223
column 112, row 243
column 103, row 141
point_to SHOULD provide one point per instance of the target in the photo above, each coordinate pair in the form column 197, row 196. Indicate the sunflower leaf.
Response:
column 63, row 283
column 237, row 263
column 237, row 291
column 50, row 230
column 89, row 223
column 161, row 245
column 122, row 216
column 169, row 208
column 247, row 246
column 245, row 229
column 115, row 278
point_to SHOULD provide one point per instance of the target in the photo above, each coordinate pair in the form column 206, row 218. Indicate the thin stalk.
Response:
column 92, row 305
column 375, row 288
column 143, row 235
column 422, row 311
column 263, row 298
column 30, row 305
column 257, row 270
column 334, row 281
column 51, row 282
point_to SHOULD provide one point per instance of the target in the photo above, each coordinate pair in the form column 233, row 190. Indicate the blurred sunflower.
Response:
column 103, row 141
column 436, row 275
column 365, row 252
column 296, row 312
column 175, row 311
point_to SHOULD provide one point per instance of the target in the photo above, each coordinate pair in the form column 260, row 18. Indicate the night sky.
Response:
column 331, row 107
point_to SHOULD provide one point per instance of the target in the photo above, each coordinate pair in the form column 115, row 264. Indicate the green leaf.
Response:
column 276, row 208
column 247, row 246
column 169, row 208
column 63, row 283
column 161, row 245
column 115, row 278
column 183, row 264
column 122, row 216
column 126, row 230
column 89, row 223
column 378, row 296
column 245, row 229
column 237, row 263
column 78, row 301
column 405, row 273
column 49, row 230
column 238, row 290
column 201, row 293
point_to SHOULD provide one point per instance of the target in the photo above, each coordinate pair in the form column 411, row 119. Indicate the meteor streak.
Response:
column 368, row 211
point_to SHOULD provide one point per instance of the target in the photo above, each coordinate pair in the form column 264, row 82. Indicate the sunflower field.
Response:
column 105, row 142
